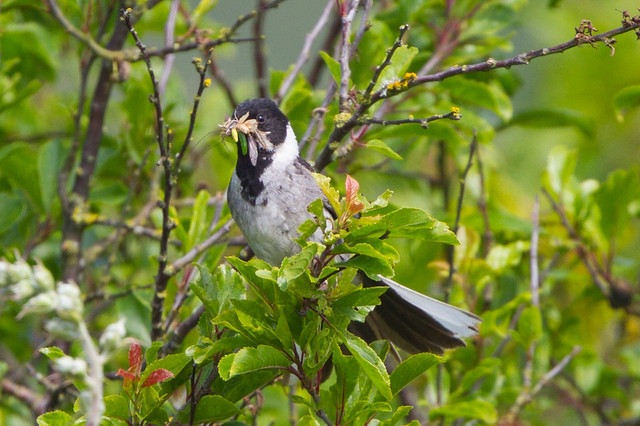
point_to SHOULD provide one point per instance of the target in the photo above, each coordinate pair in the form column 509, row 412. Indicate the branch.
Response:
column 342, row 128
column 303, row 57
column 423, row 122
column 200, row 248
column 526, row 396
column 345, row 71
column 258, row 50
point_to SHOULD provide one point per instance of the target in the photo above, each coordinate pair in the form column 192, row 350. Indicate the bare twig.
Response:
column 533, row 252
column 259, row 57
column 227, row 88
column 345, row 55
column 303, row 57
column 199, row 248
column 527, row 396
column 169, row 37
column 423, row 122
column 342, row 128
column 482, row 206
column 23, row 393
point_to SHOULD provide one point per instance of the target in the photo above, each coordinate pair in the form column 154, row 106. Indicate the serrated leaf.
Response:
column 214, row 408
column 116, row 406
column 383, row 148
column 198, row 223
column 247, row 360
column 411, row 368
column 333, row 65
column 157, row 376
column 409, row 223
column 360, row 297
column 370, row 363
column 330, row 192
column 372, row 266
column 54, row 418
column 216, row 290
column 476, row 409
column 173, row 363
column 625, row 100
column 52, row 352
column 135, row 358
column 296, row 265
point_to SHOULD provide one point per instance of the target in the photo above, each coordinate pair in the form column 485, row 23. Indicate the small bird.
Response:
column 268, row 196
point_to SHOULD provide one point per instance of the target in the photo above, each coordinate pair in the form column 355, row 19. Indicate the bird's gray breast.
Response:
column 271, row 222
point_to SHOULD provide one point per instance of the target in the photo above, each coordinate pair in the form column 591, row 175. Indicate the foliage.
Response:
column 111, row 244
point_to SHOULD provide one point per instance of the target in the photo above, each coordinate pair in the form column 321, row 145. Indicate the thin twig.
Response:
column 303, row 57
column 345, row 70
column 482, row 206
column 342, row 128
column 199, row 248
column 423, row 122
column 526, row 397
column 227, row 87
column 259, row 57
column 533, row 253
column 169, row 37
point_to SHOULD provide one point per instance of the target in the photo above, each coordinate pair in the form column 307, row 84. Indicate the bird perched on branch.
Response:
column 268, row 196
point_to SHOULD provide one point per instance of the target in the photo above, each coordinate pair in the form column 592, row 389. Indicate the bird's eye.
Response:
column 260, row 118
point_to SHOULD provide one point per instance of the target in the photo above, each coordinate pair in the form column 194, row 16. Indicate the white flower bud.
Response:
column 112, row 336
column 43, row 303
column 43, row 277
column 71, row 366
column 69, row 301
column 64, row 329
column 20, row 270
column 22, row 289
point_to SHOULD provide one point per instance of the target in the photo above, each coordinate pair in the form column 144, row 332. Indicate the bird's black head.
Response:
column 271, row 120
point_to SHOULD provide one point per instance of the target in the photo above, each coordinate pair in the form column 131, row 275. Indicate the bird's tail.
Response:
column 415, row 322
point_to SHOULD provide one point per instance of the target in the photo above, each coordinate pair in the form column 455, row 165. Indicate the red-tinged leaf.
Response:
column 351, row 188
column 135, row 358
column 125, row 375
column 157, row 376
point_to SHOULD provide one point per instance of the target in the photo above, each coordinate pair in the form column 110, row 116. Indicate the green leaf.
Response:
column 333, row 65
column 360, row 297
column 548, row 118
column 613, row 198
column 625, row 100
column 217, row 290
column 18, row 165
column 476, row 409
column 247, row 360
column 560, row 166
column 174, row 363
column 383, row 148
column 372, row 266
column 400, row 62
column 12, row 208
column 50, row 158
column 370, row 363
column 52, row 352
column 198, row 224
column 116, row 406
column 201, row 9
column 330, row 192
column 530, row 325
column 296, row 265
column 399, row 415
column 409, row 223
column 54, row 418
column 411, row 368
column 214, row 408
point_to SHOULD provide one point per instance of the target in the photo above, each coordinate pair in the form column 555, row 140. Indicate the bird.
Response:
column 268, row 195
